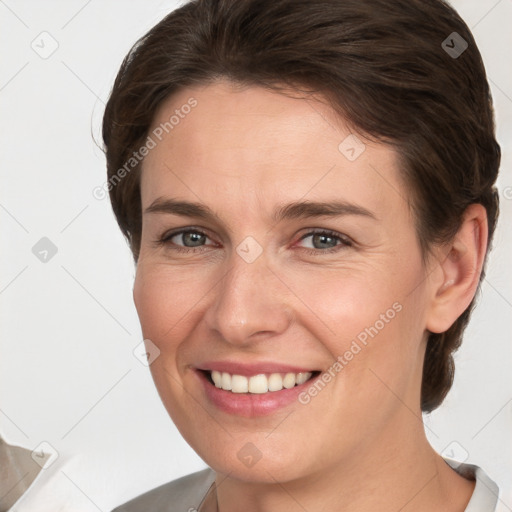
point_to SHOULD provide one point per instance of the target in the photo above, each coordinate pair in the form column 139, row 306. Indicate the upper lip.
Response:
column 249, row 369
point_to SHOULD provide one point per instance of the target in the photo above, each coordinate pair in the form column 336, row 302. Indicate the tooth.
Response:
column 289, row 380
column 275, row 382
column 226, row 381
column 217, row 378
column 239, row 384
column 258, row 384
column 303, row 377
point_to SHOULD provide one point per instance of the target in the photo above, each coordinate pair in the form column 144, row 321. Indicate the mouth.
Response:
column 253, row 389
column 258, row 384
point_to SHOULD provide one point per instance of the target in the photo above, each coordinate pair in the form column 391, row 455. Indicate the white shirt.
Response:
column 37, row 481
column 486, row 493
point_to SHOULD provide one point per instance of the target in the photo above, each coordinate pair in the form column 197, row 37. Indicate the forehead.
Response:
column 255, row 147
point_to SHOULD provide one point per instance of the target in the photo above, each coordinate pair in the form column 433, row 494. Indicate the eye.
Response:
column 185, row 240
column 194, row 240
column 323, row 241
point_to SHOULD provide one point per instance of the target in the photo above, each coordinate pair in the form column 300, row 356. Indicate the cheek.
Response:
column 166, row 299
column 343, row 305
column 368, row 320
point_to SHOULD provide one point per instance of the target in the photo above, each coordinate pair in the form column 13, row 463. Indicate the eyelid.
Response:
column 169, row 234
column 345, row 241
column 328, row 232
column 165, row 238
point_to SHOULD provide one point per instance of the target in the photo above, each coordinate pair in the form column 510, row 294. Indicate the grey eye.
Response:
column 321, row 241
column 191, row 238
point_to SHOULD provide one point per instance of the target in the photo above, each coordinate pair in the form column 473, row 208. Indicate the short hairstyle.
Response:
column 383, row 65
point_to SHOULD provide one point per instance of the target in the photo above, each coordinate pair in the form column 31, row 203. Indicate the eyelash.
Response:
column 344, row 241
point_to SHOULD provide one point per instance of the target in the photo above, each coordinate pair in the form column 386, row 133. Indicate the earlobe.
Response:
column 461, row 269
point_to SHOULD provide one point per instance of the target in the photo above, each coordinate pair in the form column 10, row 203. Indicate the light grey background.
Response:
column 68, row 375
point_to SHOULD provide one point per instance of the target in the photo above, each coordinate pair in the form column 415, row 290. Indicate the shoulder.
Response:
column 179, row 495
column 486, row 494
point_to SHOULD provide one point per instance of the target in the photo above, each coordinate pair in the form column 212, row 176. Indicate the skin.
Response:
column 243, row 152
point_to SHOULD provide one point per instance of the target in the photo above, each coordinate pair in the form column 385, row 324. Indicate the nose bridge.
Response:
column 249, row 301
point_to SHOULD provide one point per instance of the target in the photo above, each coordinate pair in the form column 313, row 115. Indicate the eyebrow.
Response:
column 295, row 210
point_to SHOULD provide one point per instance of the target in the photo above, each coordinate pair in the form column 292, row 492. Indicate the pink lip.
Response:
column 248, row 370
column 248, row 404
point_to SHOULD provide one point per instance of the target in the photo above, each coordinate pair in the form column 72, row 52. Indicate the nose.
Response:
column 250, row 303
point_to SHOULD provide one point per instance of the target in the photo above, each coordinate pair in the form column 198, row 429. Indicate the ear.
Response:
column 455, row 282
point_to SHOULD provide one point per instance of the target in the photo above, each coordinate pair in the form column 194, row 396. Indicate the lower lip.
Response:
column 251, row 404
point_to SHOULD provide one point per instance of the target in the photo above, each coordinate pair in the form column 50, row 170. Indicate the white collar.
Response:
column 486, row 494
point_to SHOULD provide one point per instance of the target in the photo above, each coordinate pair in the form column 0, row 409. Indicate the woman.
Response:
column 308, row 192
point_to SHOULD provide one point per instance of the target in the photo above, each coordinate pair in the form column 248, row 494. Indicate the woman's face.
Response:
column 236, row 276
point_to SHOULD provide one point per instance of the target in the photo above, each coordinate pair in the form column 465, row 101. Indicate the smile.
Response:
column 258, row 384
column 253, row 389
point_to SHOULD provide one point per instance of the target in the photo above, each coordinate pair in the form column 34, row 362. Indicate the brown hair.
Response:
column 384, row 65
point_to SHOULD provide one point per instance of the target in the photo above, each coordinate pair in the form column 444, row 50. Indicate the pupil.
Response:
column 195, row 239
column 324, row 239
